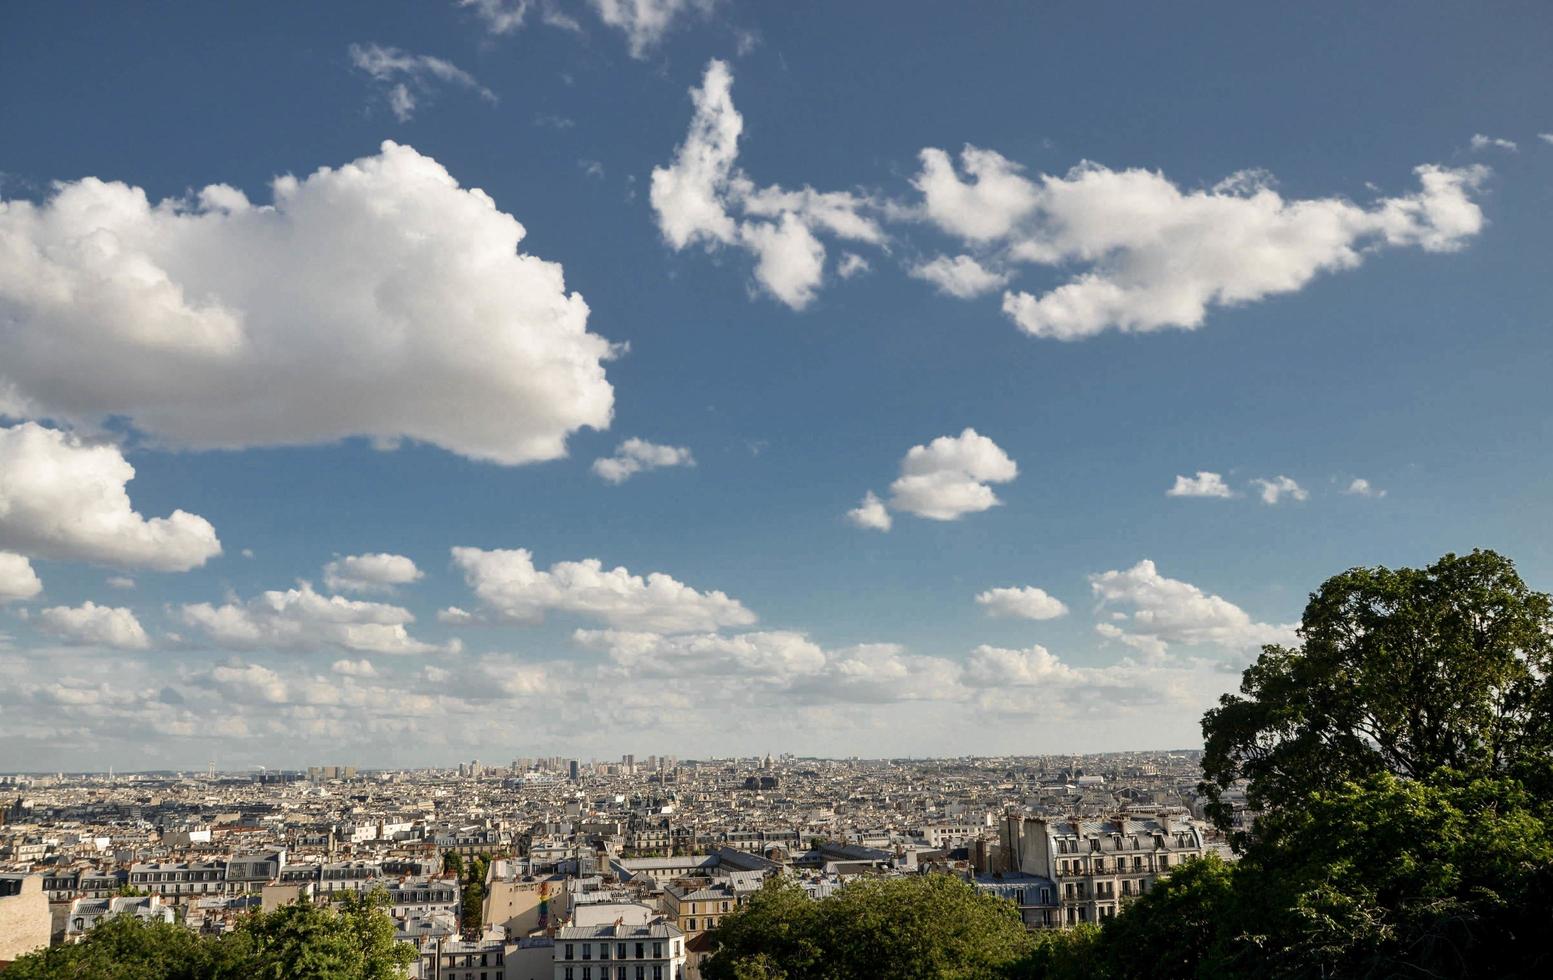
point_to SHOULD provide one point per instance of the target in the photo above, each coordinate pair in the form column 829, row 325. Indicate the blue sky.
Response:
column 1184, row 246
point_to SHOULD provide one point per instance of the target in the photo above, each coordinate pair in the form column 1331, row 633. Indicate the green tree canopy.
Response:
column 927, row 926
column 354, row 941
column 1403, row 671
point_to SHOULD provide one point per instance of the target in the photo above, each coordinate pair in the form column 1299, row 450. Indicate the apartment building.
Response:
column 1098, row 864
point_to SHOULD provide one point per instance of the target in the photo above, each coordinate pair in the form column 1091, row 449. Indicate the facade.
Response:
column 654, row 951
column 698, row 907
column 517, row 904
column 1098, row 864
column 179, row 878
column 25, row 923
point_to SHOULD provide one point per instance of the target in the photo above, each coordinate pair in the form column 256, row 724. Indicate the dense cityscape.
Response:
column 649, row 851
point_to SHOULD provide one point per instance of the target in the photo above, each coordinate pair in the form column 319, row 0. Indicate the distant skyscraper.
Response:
column 571, row 770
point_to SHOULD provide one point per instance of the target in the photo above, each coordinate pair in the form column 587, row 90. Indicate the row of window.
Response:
column 1138, row 865
column 658, row 973
column 620, row 950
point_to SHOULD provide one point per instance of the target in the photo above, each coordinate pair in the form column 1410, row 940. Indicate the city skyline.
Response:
column 487, row 380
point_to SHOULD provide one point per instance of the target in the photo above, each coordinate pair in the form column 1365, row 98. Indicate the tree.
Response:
column 122, row 948
column 1177, row 928
column 1405, row 671
column 1399, row 877
column 925, row 926
column 1064, row 954
column 302, row 941
column 296, row 942
column 453, row 862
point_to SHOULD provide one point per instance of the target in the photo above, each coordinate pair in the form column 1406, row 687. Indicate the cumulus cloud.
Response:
column 702, row 197
column 961, row 276
column 1141, row 253
column 1275, row 489
column 635, row 455
column 1361, row 487
column 775, row 655
column 871, row 513
column 880, row 673
column 1204, row 484
column 406, row 79
column 64, row 499
column 301, row 619
column 988, row 206
column 948, row 478
column 989, row 666
column 92, row 625
column 1155, row 256
column 370, row 573
column 512, row 589
column 1165, row 612
column 17, row 579
column 378, row 299
column 354, row 668
column 1022, row 602
column 1546, row 137
column 1481, row 143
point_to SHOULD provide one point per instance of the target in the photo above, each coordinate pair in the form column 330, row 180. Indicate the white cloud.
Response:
column 988, row 206
column 1023, row 602
column 1481, row 143
column 17, row 579
column 354, row 668
column 1361, row 487
column 378, row 299
column 247, row 683
column 871, row 513
column 776, row 656
column 880, row 673
column 120, row 582
column 989, row 666
column 370, row 573
column 961, row 276
column 644, row 22
column 635, row 455
column 948, row 478
column 1545, row 137
column 92, row 625
column 790, row 261
column 1166, row 611
column 509, row 585
column 63, row 499
column 1204, row 484
column 1156, row 256
column 1278, row 487
column 851, row 264
column 499, row 16
column 405, row 79
column 697, row 195
column 301, row 619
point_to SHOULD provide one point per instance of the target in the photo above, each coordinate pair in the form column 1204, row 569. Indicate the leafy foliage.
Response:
column 1403, row 671
column 929, row 926
column 354, row 941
